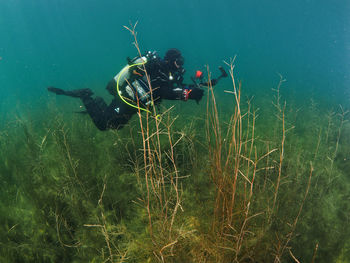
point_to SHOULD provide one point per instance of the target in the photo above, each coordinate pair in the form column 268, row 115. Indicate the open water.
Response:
column 74, row 44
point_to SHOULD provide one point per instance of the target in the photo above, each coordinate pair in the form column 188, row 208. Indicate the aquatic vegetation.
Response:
column 265, row 184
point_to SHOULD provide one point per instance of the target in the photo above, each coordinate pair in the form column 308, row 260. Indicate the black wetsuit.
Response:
column 166, row 80
column 112, row 116
column 143, row 83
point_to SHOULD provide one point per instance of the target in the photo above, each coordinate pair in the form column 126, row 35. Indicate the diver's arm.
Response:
column 212, row 82
column 112, row 87
column 183, row 92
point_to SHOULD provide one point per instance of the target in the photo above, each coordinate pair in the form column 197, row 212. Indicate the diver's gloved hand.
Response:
column 112, row 87
column 214, row 82
column 196, row 94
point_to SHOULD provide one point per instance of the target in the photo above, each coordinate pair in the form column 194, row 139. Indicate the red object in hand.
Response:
column 199, row 74
column 186, row 93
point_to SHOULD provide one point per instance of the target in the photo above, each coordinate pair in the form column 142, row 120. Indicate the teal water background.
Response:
column 74, row 44
column 80, row 44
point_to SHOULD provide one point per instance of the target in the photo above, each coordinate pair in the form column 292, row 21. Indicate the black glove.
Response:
column 112, row 87
column 212, row 83
column 196, row 94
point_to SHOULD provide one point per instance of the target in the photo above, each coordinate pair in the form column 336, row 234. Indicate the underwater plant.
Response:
column 266, row 184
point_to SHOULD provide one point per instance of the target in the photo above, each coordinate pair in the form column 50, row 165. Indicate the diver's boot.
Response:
column 56, row 90
column 79, row 93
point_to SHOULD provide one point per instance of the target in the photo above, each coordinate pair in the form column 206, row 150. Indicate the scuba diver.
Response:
column 140, row 85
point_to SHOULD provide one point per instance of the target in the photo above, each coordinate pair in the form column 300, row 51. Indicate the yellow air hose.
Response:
column 128, row 103
column 119, row 93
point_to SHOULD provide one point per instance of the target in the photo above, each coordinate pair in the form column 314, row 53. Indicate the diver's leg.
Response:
column 114, row 116
column 79, row 93
column 97, row 109
column 118, row 114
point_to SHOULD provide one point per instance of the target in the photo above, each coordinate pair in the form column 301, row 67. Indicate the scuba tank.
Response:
column 133, row 86
column 124, row 74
